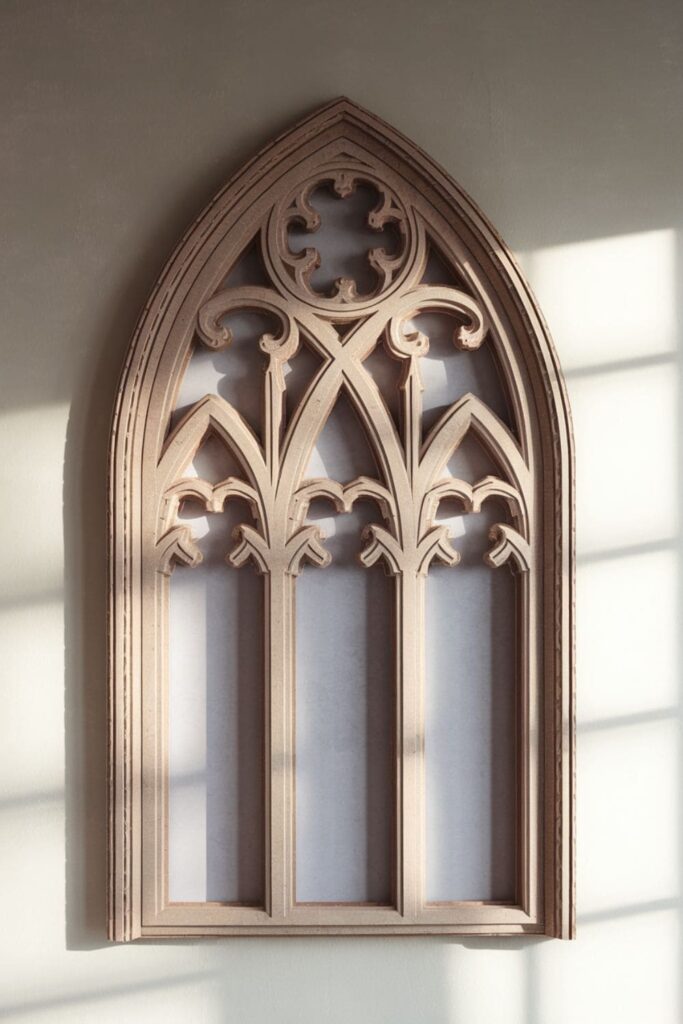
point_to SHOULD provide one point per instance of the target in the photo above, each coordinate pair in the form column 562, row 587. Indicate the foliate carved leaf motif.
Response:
column 413, row 484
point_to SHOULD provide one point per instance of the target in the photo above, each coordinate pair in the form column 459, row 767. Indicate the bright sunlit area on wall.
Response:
column 611, row 304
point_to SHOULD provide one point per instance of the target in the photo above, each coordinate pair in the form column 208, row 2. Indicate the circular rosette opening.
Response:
column 342, row 240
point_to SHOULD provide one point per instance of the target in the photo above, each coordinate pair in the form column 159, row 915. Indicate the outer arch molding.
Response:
column 541, row 409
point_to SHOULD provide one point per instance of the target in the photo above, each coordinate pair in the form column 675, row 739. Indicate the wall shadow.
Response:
column 85, row 615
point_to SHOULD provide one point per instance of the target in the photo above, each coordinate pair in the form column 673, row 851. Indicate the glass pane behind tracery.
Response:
column 470, row 785
column 470, row 665
column 216, row 667
column 345, row 670
column 345, row 708
column 216, row 804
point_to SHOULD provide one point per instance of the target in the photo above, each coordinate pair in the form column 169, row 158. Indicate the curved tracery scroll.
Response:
column 344, row 326
column 413, row 467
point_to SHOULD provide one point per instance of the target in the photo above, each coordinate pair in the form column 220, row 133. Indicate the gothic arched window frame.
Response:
column 339, row 143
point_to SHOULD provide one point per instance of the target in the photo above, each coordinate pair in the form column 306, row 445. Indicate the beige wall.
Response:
column 118, row 122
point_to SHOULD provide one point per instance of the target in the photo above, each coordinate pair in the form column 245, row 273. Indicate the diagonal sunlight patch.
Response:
column 623, row 970
column 31, row 461
column 625, row 426
column 32, row 756
column 625, row 429
column 627, row 815
column 627, row 637
column 611, row 308
column 608, row 300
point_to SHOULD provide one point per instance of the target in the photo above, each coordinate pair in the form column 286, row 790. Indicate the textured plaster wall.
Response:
column 118, row 121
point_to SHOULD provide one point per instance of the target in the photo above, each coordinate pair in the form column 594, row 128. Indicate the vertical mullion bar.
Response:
column 410, row 600
column 279, row 761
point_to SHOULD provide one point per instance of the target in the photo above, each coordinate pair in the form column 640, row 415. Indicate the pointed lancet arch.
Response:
column 340, row 147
